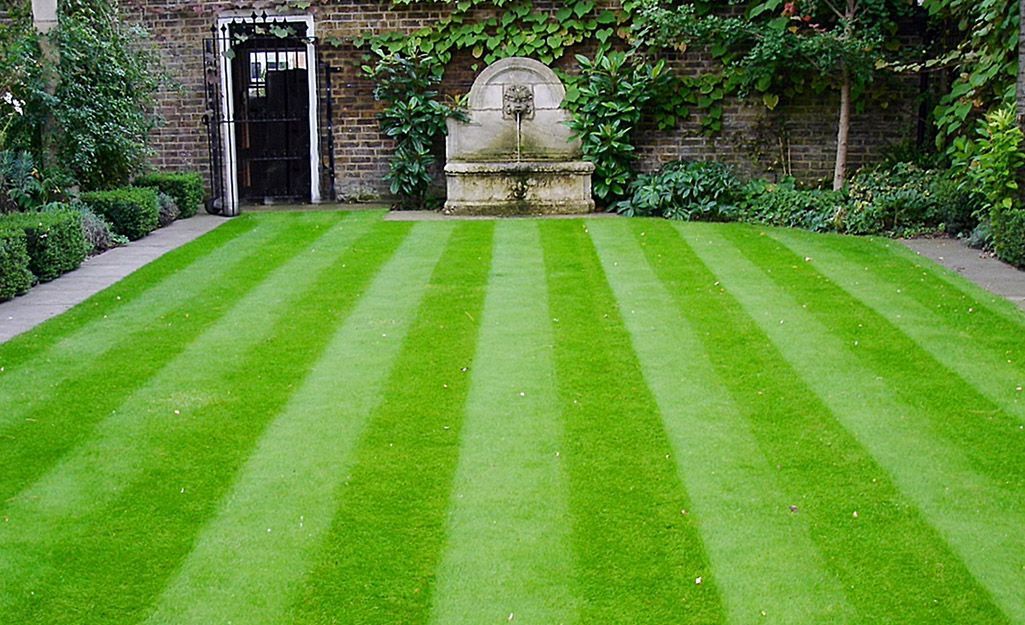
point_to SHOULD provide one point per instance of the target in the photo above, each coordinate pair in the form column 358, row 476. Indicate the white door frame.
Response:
column 227, row 106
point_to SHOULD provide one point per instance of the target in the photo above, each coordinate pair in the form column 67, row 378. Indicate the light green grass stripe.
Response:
column 25, row 347
column 977, row 510
column 896, row 568
column 509, row 555
column 123, row 507
column 28, row 381
column 34, row 440
column 965, row 334
column 637, row 557
column 378, row 562
column 764, row 562
column 252, row 556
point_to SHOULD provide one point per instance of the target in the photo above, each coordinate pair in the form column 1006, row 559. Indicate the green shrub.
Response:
column 169, row 210
column 186, row 189
column 53, row 238
column 783, row 204
column 990, row 168
column 132, row 211
column 15, row 276
column 905, row 200
column 681, row 190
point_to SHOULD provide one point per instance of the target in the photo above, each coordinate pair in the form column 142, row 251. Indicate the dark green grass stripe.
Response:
column 26, row 346
column 32, row 444
column 764, row 563
column 378, row 562
column 953, row 409
column 29, row 383
column 135, row 544
column 975, row 514
column 993, row 321
column 894, row 567
column 968, row 334
column 638, row 557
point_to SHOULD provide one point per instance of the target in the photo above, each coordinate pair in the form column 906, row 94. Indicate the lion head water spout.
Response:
column 515, row 154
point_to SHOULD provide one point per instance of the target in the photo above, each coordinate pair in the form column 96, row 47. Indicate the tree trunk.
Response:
column 842, row 133
column 44, row 18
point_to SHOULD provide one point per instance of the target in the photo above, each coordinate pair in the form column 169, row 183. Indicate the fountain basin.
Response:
column 519, row 188
column 515, row 154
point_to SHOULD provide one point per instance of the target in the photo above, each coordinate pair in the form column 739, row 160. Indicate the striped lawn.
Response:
column 331, row 418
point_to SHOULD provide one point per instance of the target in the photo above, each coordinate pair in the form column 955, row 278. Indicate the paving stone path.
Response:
column 97, row 273
column 981, row 268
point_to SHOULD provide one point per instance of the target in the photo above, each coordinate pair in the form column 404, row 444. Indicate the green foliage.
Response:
column 105, row 95
column 15, row 276
column 983, row 60
column 414, row 117
column 904, row 200
column 97, row 231
column 703, row 191
column 991, row 167
column 24, row 187
column 23, row 99
column 784, row 204
column 608, row 101
column 133, row 212
column 519, row 29
column 54, row 240
column 169, row 210
column 186, row 188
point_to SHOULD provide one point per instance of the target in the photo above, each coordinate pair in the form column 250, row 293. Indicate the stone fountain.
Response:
column 514, row 155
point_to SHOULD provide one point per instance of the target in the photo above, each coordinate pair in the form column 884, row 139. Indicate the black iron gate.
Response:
column 259, row 75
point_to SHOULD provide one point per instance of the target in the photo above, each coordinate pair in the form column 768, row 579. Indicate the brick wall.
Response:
column 751, row 138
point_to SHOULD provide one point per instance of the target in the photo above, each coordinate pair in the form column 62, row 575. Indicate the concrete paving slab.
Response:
column 97, row 273
column 981, row 268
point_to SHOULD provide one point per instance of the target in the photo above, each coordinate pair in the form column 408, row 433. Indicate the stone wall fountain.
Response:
column 514, row 156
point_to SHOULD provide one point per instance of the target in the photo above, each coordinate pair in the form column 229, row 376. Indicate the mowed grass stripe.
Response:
column 979, row 514
column 763, row 561
column 638, row 558
column 32, row 441
column 141, row 489
column 967, row 334
column 378, row 562
column 251, row 557
column 52, row 332
column 509, row 555
column 894, row 566
column 35, row 364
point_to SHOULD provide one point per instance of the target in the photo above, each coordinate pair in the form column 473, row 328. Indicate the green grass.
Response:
column 330, row 418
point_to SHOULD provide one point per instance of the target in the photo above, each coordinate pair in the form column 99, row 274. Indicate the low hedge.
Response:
column 132, row 211
column 54, row 240
column 15, row 276
column 186, row 189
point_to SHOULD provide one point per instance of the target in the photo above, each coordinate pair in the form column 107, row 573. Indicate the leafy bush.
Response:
column 784, row 204
column 133, row 212
column 168, row 210
column 97, row 231
column 186, row 189
column 104, row 99
column 15, row 276
column 23, row 186
column 608, row 100
column 414, row 116
column 990, row 168
column 702, row 191
column 904, row 200
column 53, row 238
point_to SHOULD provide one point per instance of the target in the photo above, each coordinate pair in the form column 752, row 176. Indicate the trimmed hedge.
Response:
column 187, row 189
column 15, row 276
column 132, row 211
column 54, row 240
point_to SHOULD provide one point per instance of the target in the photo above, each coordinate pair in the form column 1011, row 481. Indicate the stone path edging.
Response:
column 983, row 269
column 44, row 301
